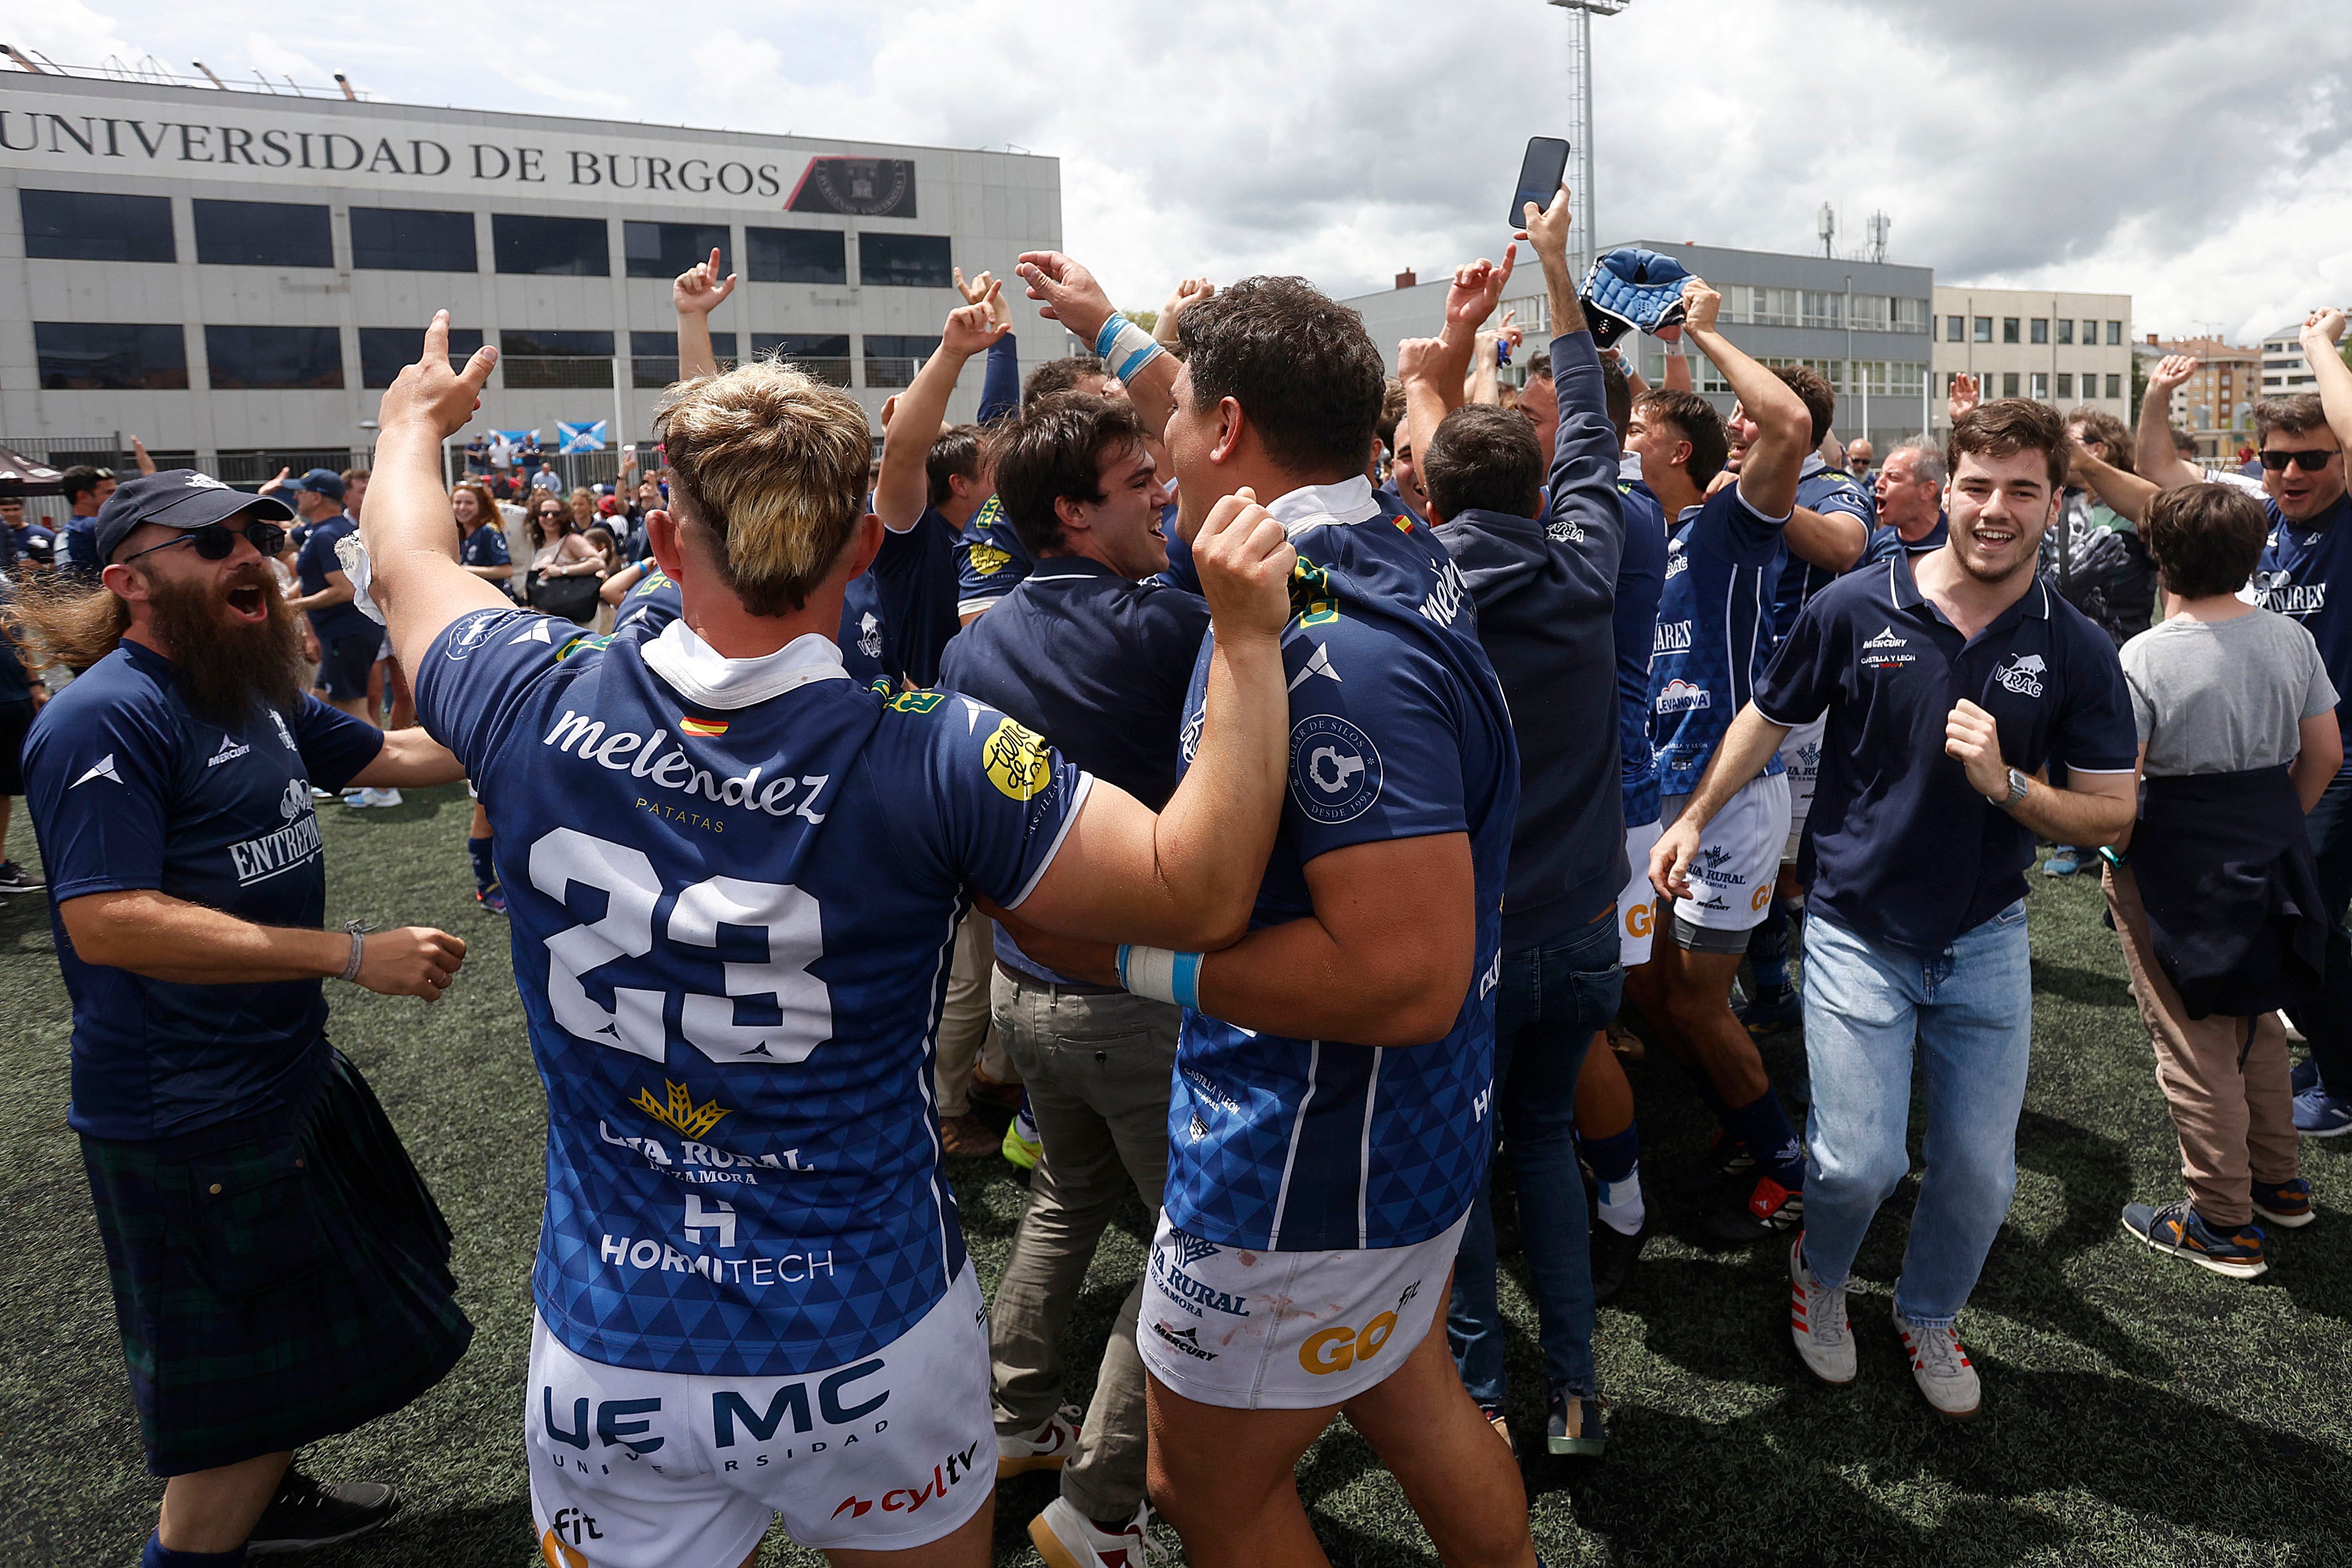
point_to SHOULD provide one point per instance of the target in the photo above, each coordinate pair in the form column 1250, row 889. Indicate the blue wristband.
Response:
column 1123, row 948
column 1137, row 360
column 1108, row 335
column 1188, row 980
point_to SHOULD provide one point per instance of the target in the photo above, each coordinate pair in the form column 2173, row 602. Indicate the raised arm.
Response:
column 696, row 291
column 1833, row 541
column 1434, row 370
column 1767, row 478
column 414, row 574
column 904, row 488
column 2322, row 332
column 2152, row 451
column 1000, row 378
column 1584, row 445
column 2127, row 494
column 1070, row 295
column 1678, row 369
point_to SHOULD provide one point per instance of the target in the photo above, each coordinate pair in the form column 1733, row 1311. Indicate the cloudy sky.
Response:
column 2198, row 157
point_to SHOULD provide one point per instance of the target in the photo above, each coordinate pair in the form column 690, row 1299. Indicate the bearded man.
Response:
column 280, row 1271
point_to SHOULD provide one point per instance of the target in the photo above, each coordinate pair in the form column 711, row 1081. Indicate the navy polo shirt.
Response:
column 82, row 547
column 2305, row 574
column 1097, row 664
column 318, row 558
column 1885, row 543
column 1905, row 852
column 486, row 546
column 129, row 790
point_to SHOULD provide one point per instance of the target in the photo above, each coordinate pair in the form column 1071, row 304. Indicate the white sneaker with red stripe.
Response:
column 1817, row 1321
column 1066, row 1538
column 1048, row 1448
column 1940, row 1366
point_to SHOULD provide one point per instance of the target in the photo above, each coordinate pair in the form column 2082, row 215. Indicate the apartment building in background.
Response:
column 2059, row 347
column 2216, row 405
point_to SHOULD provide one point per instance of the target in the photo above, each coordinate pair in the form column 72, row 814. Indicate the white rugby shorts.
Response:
column 1739, row 857
column 1637, row 906
column 1286, row 1331
column 1801, row 754
column 651, row 1469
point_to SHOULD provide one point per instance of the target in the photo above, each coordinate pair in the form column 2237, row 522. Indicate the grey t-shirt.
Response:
column 2224, row 697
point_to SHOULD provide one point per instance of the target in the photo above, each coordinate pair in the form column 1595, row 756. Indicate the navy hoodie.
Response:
column 1545, row 590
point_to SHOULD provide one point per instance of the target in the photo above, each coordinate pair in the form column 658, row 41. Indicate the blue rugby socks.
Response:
column 486, row 871
column 159, row 1555
column 1616, row 1163
column 1764, row 1127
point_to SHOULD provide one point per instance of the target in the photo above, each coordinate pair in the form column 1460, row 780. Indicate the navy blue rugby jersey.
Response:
column 1641, row 577
column 129, row 790
column 1398, row 731
column 2307, row 575
column 1821, row 489
column 991, row 560
column 652, row 602
column 734, row 886
column 1713, row 636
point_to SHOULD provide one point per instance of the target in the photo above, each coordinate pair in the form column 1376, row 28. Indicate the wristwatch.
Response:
column 2017, row 787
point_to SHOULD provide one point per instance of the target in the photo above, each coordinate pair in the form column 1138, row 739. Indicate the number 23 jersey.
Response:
column 734, row 886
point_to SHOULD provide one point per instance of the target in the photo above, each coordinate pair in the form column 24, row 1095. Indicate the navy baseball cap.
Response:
column 326, row 481
column 178, row 497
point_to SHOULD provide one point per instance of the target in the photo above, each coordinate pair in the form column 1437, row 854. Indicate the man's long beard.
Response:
column 229, row 668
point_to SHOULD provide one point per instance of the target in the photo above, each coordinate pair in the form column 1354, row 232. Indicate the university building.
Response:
column 234, row 275
column 2066, row 349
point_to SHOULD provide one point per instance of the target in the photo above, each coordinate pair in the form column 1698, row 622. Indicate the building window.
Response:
column 905, row 260
column 667, row 249
column 556, row 359
column 795, row 256
column 385, row 352
column 2009, row 385
column 2115, row 387
column 1910, row 315
column 258, row 359
column 1873, row 313
column 2115, row 334
column 1823, row 309
column 550, row 247
column 1984, row 329
column 1956, row 327
column 2090, row 331
column 88, row 356
column 263, row 234
column 91, row 226
column 2065, row 329
column 2042, row 386
column 2008, row 328
column 821, row 356
column 892, row 360
column 399, row 239
column 653, row 357
column 2066, row 387
column 2041, row 329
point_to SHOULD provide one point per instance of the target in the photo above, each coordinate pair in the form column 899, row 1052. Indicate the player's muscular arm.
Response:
column 1186, row 877
column 903, row 490
column 415, row 577
column 164, row 938
column 2322, row 332
column 410, row 759
column 1833, row 541
column 1739, row 756
column 1067, row 293
column 1767, row 478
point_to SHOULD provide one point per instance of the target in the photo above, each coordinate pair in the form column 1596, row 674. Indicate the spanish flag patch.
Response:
column 704, row 727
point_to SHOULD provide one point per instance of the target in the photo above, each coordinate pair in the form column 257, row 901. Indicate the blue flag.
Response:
column 583, row 438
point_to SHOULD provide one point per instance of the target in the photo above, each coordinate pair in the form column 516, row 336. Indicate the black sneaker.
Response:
column 14, row 878
column 306, row 1514
column 1768, row 1209
column 1613, row 1256
column 1725, row 1162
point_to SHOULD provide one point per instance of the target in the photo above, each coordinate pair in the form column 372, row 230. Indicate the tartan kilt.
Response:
column 275, row 1288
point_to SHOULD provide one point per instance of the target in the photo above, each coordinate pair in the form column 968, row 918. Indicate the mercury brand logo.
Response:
column 1887, row 639
column 1187, row 1340
column 2025, row 677
column 231, row 748
column 1679, row 696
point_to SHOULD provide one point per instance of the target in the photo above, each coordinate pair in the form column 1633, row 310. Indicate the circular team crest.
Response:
column 1335, row 771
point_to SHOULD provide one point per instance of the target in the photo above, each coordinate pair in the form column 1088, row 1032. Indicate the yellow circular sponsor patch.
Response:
column 987, row 560
column 1015, row 760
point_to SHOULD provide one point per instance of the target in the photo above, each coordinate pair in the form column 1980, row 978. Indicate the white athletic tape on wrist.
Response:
column 1161, row 973
column 1124, row 348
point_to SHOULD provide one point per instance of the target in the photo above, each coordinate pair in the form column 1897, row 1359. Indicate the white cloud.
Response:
column 2193, row 156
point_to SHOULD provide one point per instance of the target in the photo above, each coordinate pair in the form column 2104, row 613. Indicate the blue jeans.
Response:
column 1550, row 1002
column 1969, row 1009
column 2327, row 1020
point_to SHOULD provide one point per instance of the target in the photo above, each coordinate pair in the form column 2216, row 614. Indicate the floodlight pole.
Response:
column 1583, row 240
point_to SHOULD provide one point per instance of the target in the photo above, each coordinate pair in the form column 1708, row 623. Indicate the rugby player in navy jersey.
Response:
column 1334, row 1077
column 1713, row 640
column 734, row 878
column 1825, row 537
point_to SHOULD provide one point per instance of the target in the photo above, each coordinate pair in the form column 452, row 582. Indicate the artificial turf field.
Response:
column 2137, row 1410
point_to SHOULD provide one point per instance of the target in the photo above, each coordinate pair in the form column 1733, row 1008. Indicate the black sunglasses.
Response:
column 215, row 541
column 2311, row 462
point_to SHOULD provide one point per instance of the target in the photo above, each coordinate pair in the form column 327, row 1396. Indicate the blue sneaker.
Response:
column 2319, row 1114
column 2063, row 862
column 2286, row 1203
column 1770, row 1012
column 2305, row 1075
column 2181, row 1230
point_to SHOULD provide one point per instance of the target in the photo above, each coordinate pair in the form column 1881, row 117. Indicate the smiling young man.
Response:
column 1096, row 658
column 735, row 877
column 1927, row 814
column 2307, row 575
column 280, row 1271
